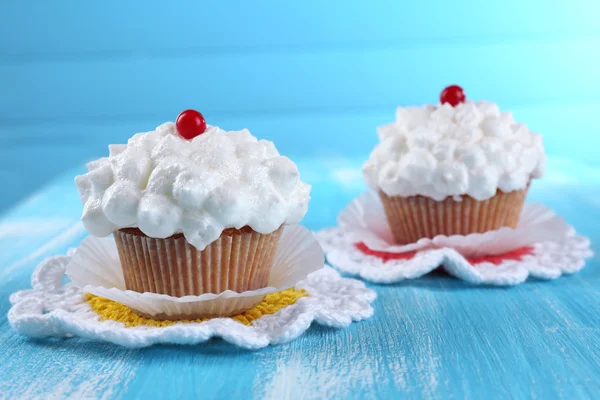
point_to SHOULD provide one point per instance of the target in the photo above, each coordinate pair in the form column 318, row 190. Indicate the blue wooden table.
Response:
column 316, row 77
column 436, row 337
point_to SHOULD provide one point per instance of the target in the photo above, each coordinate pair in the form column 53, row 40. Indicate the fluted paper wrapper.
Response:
column 364, row 221
column 416, row 217
column 97, row 269
column 219, row 307
column 239, row 260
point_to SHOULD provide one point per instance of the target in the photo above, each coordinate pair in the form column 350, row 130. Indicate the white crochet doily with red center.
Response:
column 542, row 246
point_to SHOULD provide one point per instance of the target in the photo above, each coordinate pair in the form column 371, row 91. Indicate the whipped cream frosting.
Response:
column 440, row 151
column 164, row 184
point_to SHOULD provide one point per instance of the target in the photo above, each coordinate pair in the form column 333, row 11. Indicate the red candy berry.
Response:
column 190, row 123
column 452, row 95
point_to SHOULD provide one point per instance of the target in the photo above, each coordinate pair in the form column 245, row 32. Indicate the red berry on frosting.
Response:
column 452, row 95
column 190, row 123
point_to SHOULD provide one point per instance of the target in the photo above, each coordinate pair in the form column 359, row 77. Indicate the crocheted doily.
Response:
column 57, row 309
column 361, row 246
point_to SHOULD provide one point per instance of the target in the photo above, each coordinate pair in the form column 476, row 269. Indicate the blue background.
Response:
column 316, row 77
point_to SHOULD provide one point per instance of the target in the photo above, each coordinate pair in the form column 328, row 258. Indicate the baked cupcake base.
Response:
column 98, row 270
column 416, row 217
column 239, row 260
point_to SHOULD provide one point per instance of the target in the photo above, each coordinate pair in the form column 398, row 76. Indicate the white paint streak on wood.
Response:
column 64, row 239
column 428, row 365
column 558, row 311
column 331, row 368
column 418, row 363
column 35, row 226
column 70, row 373
column 398, row 369
column 87, row 383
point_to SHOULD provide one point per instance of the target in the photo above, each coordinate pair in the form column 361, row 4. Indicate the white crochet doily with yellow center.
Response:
column 53, row 308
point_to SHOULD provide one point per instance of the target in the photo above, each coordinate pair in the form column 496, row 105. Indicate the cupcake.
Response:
column 193, row 208
column 456, row 168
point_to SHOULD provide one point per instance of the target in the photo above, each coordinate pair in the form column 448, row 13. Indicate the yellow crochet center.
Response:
column 111, row 310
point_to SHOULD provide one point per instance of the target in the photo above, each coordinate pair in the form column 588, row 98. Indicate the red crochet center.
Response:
column 514, row 255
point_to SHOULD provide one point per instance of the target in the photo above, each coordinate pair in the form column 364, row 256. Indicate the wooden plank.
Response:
column 511, row 74
column 114, row 28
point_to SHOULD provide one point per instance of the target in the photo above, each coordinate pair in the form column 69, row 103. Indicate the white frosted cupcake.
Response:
column 194, row 209
column 459, row 167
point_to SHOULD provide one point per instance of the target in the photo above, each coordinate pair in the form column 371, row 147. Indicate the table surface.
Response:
column 75, row 76
column 435, row 337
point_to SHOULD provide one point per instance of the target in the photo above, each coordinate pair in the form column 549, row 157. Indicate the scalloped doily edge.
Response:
column 549, row 260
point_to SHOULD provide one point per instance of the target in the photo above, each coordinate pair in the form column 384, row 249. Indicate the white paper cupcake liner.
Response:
column 364, row 220
column 96, row 268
